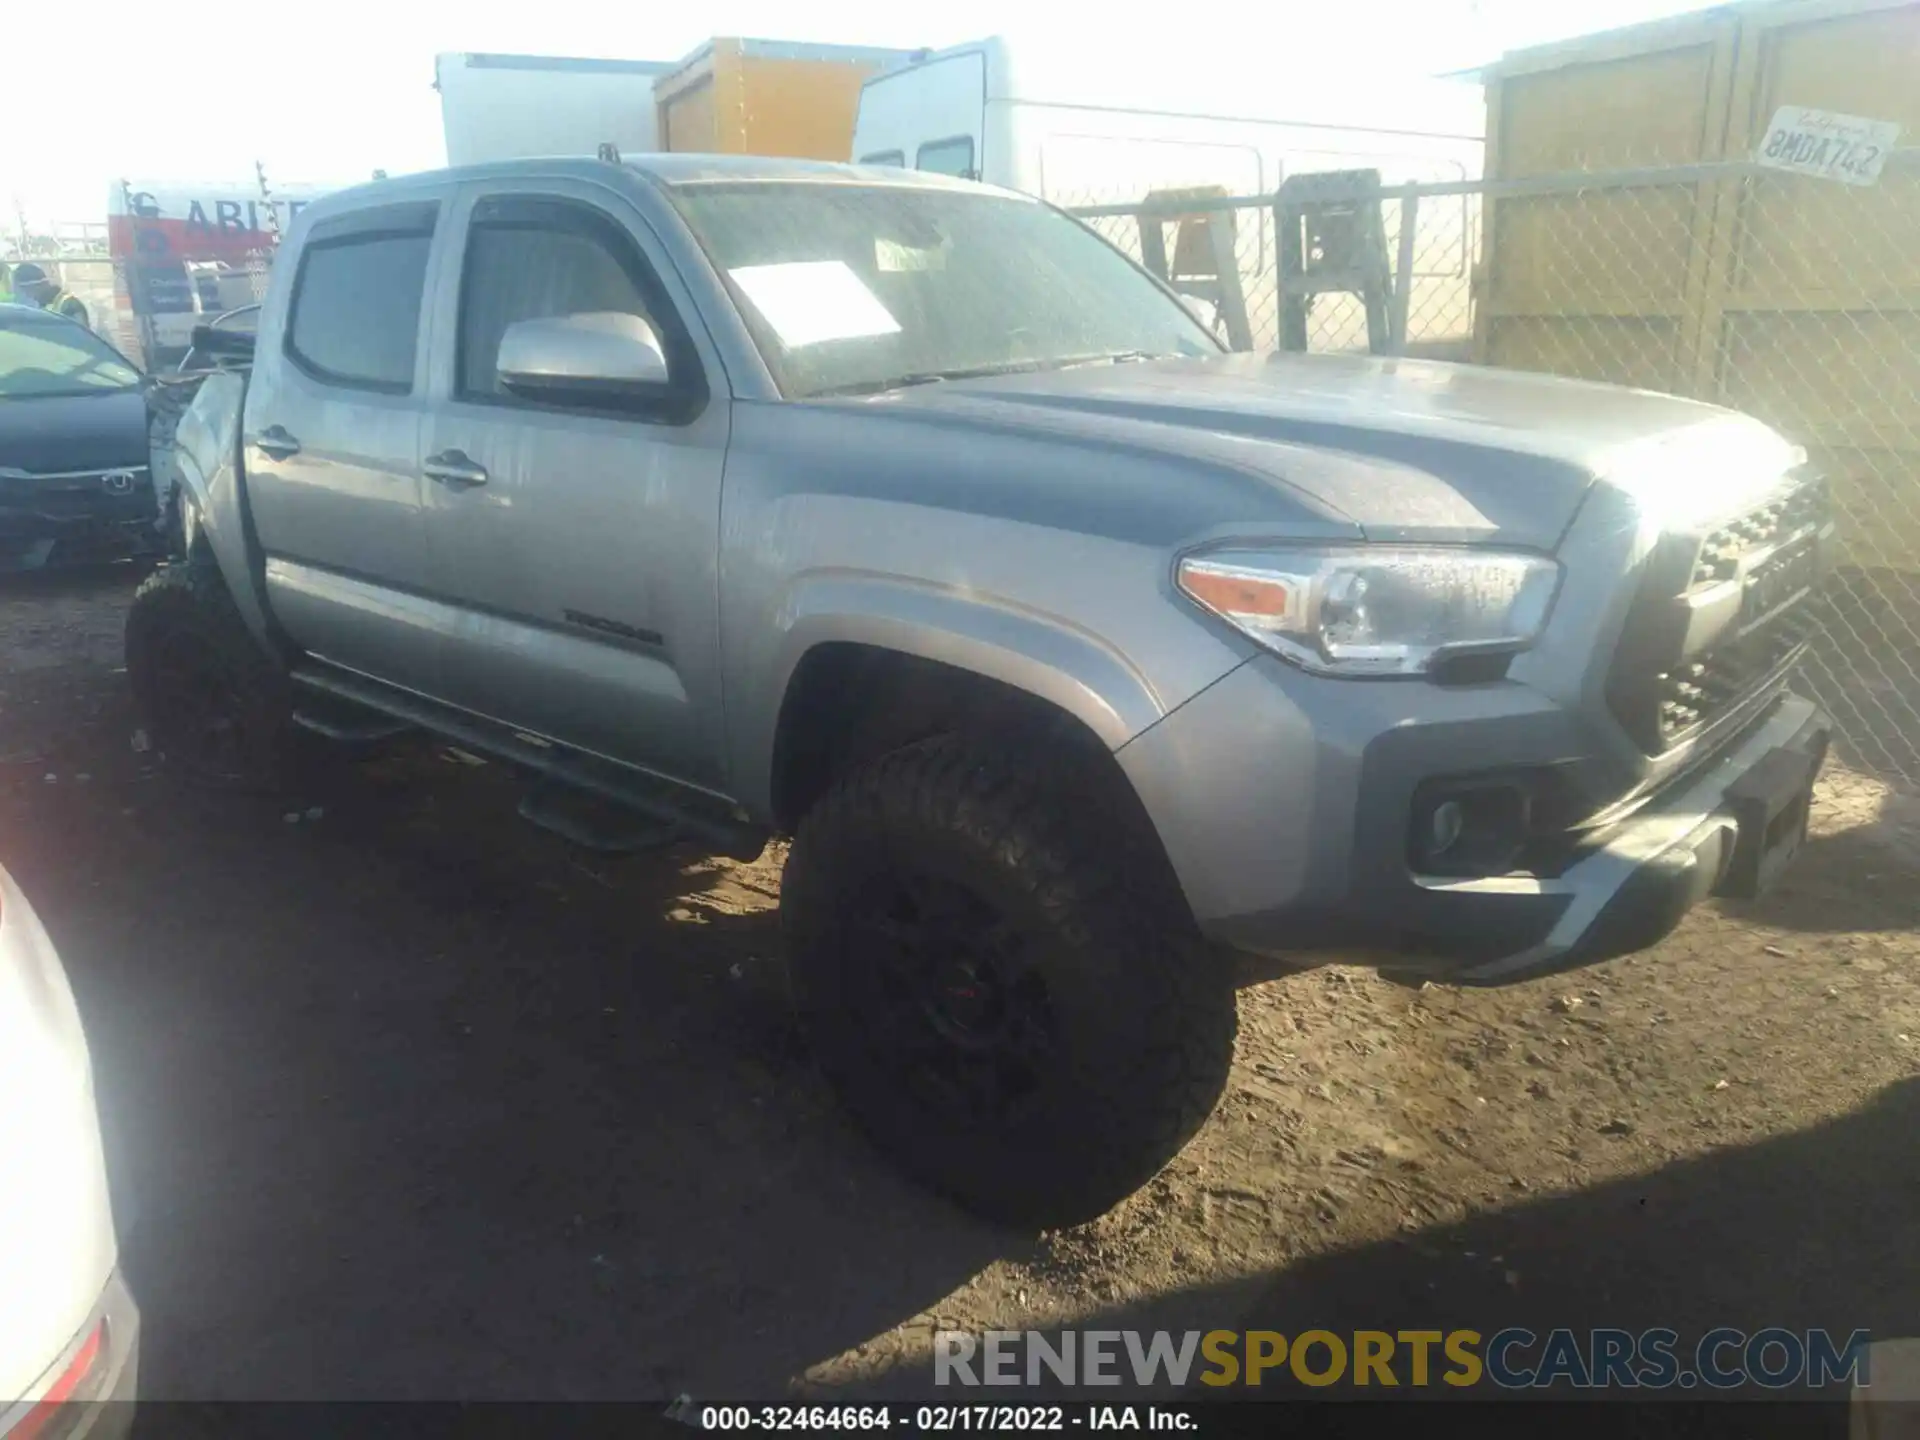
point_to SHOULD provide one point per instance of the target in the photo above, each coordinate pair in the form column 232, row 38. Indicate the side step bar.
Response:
column 370, row 731
column 546, row 804
column 629, row 789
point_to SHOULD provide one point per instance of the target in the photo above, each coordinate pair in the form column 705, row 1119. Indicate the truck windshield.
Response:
column 852, row 289
column 43, row 355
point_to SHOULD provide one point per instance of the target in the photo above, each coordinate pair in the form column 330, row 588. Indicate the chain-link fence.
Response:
column 148, row 307
column 89, row 278
column 1796, row 299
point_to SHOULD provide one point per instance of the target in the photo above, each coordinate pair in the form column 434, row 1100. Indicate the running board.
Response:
column 370, row 731
column 644, row 795
column 549, row 807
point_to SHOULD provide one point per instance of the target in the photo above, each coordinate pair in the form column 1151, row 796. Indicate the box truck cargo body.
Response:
column 767, row 97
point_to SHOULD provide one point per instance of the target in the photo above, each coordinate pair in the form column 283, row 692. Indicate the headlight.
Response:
column 1376, row 610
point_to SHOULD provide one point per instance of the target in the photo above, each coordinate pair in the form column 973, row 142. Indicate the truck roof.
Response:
column 663, row 168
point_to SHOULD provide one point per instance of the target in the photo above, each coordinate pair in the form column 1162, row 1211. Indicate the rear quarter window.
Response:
column 356, row 309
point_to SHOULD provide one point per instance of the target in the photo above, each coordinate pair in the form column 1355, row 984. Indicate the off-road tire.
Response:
column 1144, row 1011
column 183, row 607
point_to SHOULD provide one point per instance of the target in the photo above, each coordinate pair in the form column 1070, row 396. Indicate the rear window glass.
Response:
column 356, row 309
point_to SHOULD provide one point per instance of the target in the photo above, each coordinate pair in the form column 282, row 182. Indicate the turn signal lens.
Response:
column 1237, row 593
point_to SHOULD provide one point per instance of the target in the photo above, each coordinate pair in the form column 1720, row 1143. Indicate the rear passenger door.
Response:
column 575, row 546
column 333, row 444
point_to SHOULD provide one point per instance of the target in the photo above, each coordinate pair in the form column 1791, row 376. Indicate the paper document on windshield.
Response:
column 808, row 301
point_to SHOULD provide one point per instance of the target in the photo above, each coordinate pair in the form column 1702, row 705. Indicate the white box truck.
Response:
column 1045, row 121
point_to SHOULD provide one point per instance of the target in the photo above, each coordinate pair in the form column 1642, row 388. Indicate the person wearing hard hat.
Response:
column 33, row 286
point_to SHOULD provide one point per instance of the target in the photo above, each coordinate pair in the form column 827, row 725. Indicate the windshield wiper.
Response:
column 1125, row 357
column 930, row 377
column 977, row 372
column 892, row 382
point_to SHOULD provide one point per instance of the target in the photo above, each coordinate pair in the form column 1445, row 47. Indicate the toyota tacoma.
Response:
column 1091, row 670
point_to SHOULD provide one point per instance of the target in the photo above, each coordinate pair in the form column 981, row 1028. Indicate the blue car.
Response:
column 75, row 482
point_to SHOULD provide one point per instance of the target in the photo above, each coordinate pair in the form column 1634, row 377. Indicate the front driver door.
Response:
column 575, row 546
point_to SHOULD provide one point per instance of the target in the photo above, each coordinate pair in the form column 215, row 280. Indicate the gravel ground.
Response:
column 404, row 1098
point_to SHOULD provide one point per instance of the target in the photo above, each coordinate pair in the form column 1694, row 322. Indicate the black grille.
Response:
column 1720, row 553
column 1700, row 690
column 1694, row 648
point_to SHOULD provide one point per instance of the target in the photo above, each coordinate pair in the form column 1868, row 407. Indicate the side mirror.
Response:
column 603, row 355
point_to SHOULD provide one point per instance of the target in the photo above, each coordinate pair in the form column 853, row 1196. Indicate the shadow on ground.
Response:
column 1827, row 895
column 407, row 1099
column 1812, row 1230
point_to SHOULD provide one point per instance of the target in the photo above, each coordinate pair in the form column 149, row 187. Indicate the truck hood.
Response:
column 63, row 434
column 1398, row 449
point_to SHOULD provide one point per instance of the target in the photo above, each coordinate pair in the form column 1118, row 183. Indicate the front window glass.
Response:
column 567, row 263
column 852, row 287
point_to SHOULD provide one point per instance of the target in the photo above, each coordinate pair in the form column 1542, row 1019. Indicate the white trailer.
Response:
column 509, row 107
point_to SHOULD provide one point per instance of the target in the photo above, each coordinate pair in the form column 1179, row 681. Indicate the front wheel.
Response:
column 1000, row 1002
column 213, row 701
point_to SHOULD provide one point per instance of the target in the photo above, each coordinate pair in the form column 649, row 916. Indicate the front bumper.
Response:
column 1630, row 888
column 1305, row 850
column 42, row 527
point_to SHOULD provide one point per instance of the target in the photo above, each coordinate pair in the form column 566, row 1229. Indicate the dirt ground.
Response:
column 404, row 1098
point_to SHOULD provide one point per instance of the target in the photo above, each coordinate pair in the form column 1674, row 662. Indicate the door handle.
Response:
column 453, row 469
column 276, row 444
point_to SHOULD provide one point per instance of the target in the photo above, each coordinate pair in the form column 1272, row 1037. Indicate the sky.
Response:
column 327, row 93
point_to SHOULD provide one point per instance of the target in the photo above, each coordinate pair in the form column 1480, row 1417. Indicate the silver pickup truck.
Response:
column 1088, row 666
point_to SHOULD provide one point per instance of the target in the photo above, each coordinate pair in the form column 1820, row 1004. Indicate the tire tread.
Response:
column 1166, row 984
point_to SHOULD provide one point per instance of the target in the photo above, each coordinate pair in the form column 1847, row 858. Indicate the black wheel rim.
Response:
column 197, row 705
column 949, row 998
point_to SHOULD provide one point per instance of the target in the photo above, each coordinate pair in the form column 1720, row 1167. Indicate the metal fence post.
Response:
column 1403, row 269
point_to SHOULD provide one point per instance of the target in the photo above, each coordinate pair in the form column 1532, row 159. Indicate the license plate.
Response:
column 1770, row 804
column 1847, row 148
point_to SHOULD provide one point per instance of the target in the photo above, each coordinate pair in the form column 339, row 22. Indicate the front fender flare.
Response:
column 1047, row 657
